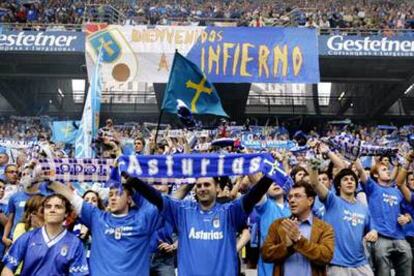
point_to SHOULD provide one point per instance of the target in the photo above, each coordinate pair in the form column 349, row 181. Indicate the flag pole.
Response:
column 158, row 126
column 161, row 108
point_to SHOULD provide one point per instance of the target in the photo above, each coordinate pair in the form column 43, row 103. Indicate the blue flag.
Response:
column 189, row 84
column 90, row 117
column 64, row 131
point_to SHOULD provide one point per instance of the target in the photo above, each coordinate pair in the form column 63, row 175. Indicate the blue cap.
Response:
column 3, row 150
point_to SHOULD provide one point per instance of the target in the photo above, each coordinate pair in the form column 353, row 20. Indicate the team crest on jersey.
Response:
column 216, row 222
column 64, row 250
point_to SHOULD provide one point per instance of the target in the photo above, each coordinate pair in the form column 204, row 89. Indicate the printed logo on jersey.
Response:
column 205, row 235
column 354, row 218
column 390, row 199
column 119, row 232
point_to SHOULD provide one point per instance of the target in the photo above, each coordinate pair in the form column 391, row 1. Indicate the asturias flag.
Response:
column 65, row 131
column 189, row 84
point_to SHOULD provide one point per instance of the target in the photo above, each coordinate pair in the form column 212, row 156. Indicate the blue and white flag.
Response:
column 90, row 118
column 189, row 85
column 64, row 131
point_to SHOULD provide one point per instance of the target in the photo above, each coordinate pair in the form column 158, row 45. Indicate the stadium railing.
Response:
column 41, row 27
column 224, row 22
column 103, row 13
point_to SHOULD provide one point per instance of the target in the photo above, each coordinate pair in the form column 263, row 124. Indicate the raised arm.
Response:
column 400, row 180
column 151, row 194
column 64, row 190
column 335, row 159
column 318, row 187
column 183, row 191
column 256, row 193
column 236, row 187
column 361, row 172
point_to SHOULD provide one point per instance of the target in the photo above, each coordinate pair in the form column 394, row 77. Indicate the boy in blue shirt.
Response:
column 51, row 249
column 206, row 229
column 351, row 221
column 121, row 236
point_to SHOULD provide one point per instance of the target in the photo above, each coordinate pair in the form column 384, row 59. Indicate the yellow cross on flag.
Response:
column 189, row 84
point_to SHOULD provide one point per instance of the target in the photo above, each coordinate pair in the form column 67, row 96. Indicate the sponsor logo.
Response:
column 369, row 46
column 119, row 232
column 41, row 41
column 205, row 235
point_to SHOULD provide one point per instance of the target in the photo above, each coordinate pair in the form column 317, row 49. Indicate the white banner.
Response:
column 139, row 53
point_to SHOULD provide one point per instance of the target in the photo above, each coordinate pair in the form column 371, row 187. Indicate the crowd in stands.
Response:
column 358, row 201
column 357, row 15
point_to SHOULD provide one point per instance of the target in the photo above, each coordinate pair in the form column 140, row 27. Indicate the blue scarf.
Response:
column 201, row 165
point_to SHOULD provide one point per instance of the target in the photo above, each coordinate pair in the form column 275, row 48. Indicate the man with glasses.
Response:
column 302, row 244
column 11, row 178
column 4, row 159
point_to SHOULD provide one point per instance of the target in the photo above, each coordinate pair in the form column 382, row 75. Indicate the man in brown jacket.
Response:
column 301, row 245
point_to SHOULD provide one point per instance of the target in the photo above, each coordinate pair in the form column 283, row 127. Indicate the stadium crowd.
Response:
column 341, row 206
column 357, row 15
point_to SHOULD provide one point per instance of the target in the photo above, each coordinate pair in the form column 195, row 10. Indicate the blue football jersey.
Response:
column 63, row 255
column 384, row 204
column 121, row 244
column 351, row 221
column 206, row 239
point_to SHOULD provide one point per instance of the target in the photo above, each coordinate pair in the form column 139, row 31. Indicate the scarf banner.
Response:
column 202, row 165
column 191, row 165
column 70, row 169
column 269, row 144
column 351, row 148
column 17, row 144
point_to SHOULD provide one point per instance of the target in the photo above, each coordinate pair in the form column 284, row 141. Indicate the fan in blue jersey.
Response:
column 51, row 249
column 384, row 201
column 273, row 206
column 120, row 237
column 351, row 221
column 206, row 229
